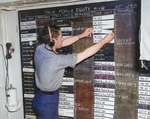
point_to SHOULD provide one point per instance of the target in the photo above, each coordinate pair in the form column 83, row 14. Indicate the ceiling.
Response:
column 17, row 3
column 8, row 4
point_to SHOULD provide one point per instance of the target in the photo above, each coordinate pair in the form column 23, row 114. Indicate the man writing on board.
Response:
column 50, row 66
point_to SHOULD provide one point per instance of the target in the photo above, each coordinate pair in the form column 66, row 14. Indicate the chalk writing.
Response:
column 121, row 96
column 124, row 65
column 128, row 8
column 82, row 81
column 79, row 107
column 128, row 41
column 82, row 14
column 83, row 9
column 50, row 12
column 99, row 8
column 126, row 83
column 65, row 11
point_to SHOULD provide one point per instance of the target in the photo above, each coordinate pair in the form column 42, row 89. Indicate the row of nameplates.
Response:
column 144, row 97
column 102, row 25
column 98, row 27
column 103, row 106
column 104, row 97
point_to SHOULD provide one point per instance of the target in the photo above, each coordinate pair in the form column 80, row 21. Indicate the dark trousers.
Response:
column 46, row 105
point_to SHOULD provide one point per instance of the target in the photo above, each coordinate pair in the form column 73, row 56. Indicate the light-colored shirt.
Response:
column 49, row 67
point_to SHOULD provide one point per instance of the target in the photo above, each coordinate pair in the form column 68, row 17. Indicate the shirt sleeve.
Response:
column 68, row 60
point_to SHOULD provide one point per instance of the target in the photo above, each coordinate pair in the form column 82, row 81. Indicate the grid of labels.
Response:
column 102, row 25
column 104, row 92
column 25, row 27
column 144, row 98
column 28, row 44
column 66, row 100
column 66, row 95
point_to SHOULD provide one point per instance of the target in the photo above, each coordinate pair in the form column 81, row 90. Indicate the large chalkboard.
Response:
column 104, row 86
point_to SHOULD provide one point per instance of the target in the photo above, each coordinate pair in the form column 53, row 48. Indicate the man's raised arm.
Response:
column 95, row 48
column 70, row 40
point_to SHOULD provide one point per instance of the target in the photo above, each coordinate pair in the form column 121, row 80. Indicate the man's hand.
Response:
column 108, row 38
column 86, row 33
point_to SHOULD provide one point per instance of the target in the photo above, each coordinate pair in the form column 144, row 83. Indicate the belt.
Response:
column 47, row 92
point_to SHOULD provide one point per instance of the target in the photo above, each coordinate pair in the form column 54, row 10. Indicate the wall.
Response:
column 10, row 27
column 3, row 110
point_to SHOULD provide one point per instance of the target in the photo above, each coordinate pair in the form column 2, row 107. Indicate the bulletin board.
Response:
column 104, row 86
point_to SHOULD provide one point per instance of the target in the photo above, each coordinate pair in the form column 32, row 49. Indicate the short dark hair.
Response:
column 54, row 27
column 43, row 36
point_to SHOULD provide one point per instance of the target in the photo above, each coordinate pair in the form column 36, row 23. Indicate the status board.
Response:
column 104, row 86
